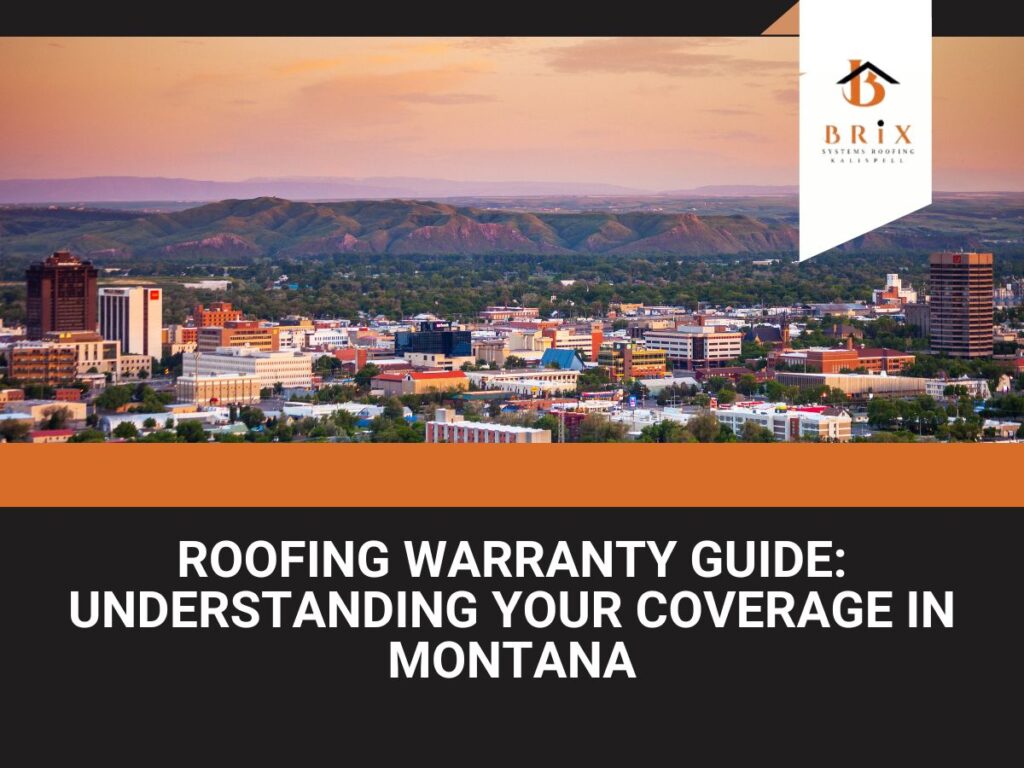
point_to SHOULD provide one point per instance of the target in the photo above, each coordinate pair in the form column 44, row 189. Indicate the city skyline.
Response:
column 650, row 114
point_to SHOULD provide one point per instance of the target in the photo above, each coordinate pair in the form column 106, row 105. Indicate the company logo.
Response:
column 872, row 75
column 154, row 295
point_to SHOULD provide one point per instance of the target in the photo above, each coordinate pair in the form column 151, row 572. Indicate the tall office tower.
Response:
column 960, row 320
column 134, row 317
column 61, row 295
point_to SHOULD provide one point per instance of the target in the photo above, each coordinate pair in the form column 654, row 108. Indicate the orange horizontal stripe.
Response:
column 749, row 475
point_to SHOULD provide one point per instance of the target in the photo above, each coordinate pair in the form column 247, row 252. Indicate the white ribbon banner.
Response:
column 865, row 117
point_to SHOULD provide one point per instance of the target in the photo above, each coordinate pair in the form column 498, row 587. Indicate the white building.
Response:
column 526, row 380
column 134, row 317
column 217, row 388
column 209, row 285
column 332, row 338
column 318, row 410
column 894, row 292
column 207, row 418
column 696, row 345
column 293, row 370
column 788, row 423
column 976, row 388
column 636, row 419
column 447, row 427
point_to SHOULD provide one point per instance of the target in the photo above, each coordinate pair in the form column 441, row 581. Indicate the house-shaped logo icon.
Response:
column 871, row 75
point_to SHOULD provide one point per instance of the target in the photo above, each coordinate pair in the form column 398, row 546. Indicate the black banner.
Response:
column 735, row 18
column 725, row 691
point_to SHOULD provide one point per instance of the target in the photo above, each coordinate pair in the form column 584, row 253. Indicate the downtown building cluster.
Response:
column 508, row 375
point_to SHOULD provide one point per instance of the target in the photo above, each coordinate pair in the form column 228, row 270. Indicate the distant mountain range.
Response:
column 136, row 189
column 237, row 229
column 110, row 189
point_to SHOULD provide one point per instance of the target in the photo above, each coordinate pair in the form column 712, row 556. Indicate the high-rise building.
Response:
column 61, row 295
column 218, row 313
column 134, row 317
column 960, row 309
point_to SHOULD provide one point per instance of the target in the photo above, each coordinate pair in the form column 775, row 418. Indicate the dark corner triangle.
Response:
column 873, row 68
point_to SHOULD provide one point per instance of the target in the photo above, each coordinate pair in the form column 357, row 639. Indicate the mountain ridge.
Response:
column 270, row 226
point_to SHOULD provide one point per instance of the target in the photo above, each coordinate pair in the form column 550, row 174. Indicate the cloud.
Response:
column 305, row 66
column 484, row 43
column 360, row 101
column 444, row 98
column 728, row 111
column 695, row 57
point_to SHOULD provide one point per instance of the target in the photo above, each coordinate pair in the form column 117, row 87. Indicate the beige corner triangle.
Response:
column 787, row 24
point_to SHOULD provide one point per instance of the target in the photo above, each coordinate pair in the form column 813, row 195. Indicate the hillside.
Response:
column 236, row 231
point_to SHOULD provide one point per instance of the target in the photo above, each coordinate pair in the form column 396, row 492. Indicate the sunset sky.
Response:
column 656, row 114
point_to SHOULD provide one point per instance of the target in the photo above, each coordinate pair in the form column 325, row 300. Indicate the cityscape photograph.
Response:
column 474, row 240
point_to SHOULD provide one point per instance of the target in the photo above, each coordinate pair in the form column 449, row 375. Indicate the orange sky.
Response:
column 651, row 113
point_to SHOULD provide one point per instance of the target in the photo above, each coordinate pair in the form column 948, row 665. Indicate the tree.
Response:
column 232, row 413
column 251, row 416
column 704, row 426
column 363, row 376
column 162, row 436
column 547, row 421
column 278, row 387
column 715, row 383
column 593, row 379
column 327, row 364
column 88, row 436
column 56, row 417
column 143, row 374
column 881, row 412
column 345, row 422
column 393, row 408
column 599, row 429
column 666, row 431
column 169, row 424
column 726, row 395
column 114, row 398
column 14, row 430
column 384, row 430
column 149, row 423
column 514, row 361
column 191, row 431
column 773, row 391
column 747, row 384
column 752, row 432
column 126, row 430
